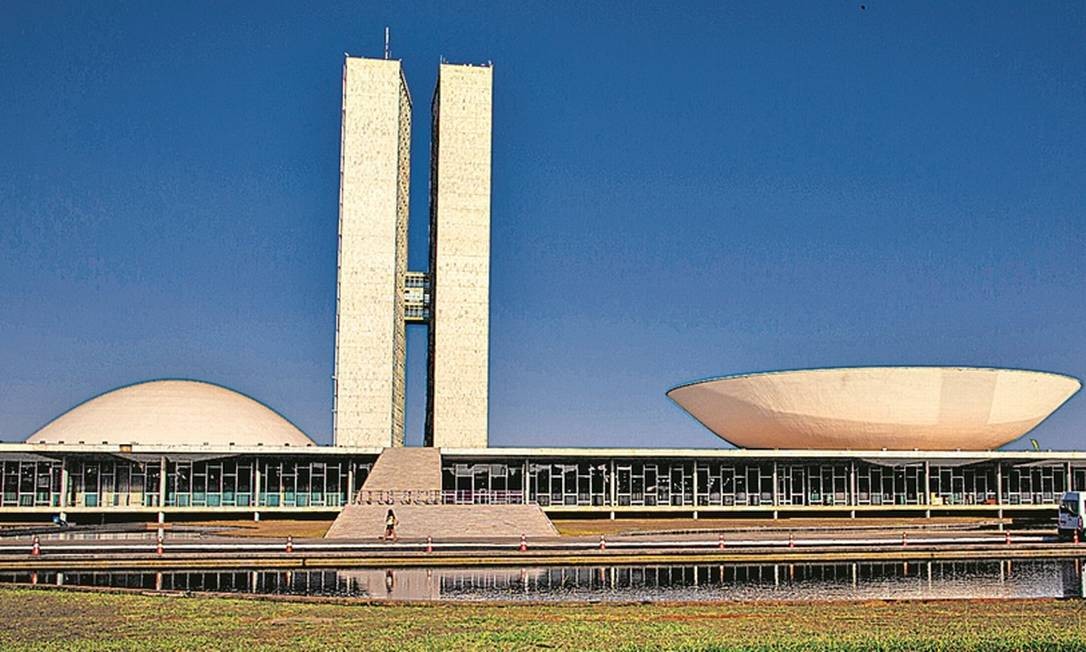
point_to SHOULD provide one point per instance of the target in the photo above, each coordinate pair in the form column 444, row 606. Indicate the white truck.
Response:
column 1072, row 510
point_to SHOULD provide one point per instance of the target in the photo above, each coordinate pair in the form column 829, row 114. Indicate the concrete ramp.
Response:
column 406, row 469
column 443, row 521
column 409, row 481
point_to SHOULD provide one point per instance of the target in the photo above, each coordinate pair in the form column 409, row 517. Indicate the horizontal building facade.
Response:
column 70, row 480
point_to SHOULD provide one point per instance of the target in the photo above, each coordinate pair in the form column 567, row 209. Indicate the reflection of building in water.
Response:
column 1073, row 579
column 467, row 581
column 398, row 584
column 955, row 579
column 916, row 579
column 432, row 584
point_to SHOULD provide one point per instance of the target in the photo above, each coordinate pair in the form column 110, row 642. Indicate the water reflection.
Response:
column 720, row 583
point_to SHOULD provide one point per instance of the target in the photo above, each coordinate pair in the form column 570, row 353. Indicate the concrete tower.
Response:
column 374, row 179
column 457, row 392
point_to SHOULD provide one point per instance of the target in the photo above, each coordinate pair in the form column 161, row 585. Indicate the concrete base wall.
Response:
column 443, row 521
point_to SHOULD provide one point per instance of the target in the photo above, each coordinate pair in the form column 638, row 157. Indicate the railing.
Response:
column 450, row 497
column 398, row 497
column 498, row 497
column 437, row 497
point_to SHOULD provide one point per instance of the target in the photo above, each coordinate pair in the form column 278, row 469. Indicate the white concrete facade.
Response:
column 457, row 393
column 370, row 349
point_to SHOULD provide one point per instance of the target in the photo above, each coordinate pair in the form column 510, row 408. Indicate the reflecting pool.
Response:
column 996, row 578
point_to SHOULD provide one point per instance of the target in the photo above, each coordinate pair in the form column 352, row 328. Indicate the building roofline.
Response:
column 193, row 449
column 753, row 453
column 773, row 372
column 399, row 65
column 567, row 452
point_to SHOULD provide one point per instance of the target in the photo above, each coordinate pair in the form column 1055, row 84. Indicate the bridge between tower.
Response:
column 416, row 298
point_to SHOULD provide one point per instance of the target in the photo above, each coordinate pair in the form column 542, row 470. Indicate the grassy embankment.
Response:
column 60, row 620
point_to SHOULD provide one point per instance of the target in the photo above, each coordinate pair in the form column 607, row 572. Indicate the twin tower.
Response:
column 377, row 296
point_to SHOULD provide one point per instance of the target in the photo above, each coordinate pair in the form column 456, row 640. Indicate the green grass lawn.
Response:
column 61, row 620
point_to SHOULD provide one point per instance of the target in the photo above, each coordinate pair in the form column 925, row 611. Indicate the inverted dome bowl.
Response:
column 871, row 408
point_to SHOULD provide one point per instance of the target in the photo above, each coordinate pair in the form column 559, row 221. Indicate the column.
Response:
column 776, row 490
column 256, row 488
column 526, row 488
column 927, row 488
column 614, row 489
column 695, row 485
column 64, row 488
column 999, row 482
column 852, row 487
column 162, row 489
column 350, row 483
column 999, row 492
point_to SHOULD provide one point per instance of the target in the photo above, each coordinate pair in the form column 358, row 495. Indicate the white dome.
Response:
column 172, row 413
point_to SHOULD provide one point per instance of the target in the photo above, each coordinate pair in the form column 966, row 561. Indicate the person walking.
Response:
column 390, row 526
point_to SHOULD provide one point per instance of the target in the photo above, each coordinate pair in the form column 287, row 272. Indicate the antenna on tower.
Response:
column 386, row 42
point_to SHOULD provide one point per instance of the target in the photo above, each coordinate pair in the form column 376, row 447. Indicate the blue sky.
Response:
column 679, row 191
